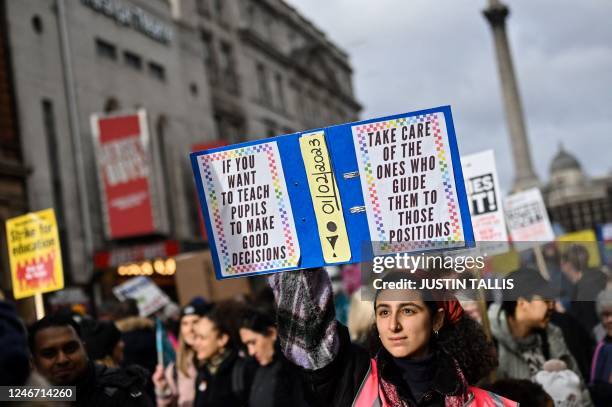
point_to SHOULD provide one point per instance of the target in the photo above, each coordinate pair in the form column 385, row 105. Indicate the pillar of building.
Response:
column 525, row 177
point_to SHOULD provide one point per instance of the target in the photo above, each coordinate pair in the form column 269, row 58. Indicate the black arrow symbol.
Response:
column 332, row 240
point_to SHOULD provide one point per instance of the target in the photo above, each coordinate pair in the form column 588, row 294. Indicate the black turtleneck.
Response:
column 418, row 373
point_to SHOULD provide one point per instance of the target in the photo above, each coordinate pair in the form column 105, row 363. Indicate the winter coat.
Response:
column 277, row 384
column 182, row 387
column 369, row 394
column 111, row 387
column 512, row 363
column 601, row 373
column 228, row 386
column 14, row 361
column 579, row 342
column 138, row 335
column 333, row 368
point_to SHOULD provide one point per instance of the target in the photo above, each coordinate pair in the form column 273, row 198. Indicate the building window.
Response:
column 209, row 57
column 280, row 92
column 193, row 89
column 37, row 24
column 163, row 148
column 111, row 105
column 203, row 8
column 105, row 49
column 292, row 38
column 220, row 9
column 157, row 71
column 226, row 67
column 132, row 60
column 270, row 129
column 250, row 14
column 229, row 127
column 269, row 22
column 55, row 165
column 264, row 84
column 296, row 100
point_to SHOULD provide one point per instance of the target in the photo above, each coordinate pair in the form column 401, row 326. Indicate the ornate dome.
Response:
column 564, row 161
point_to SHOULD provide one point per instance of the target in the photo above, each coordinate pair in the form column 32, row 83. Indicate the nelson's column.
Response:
column 496, row 13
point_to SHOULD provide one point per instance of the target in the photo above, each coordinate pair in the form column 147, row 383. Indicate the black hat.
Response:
column 198, row 306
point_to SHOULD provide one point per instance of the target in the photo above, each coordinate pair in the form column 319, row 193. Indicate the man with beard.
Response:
column 59, row 355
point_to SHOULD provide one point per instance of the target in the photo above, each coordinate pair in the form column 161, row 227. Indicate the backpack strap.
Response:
column 238, row 385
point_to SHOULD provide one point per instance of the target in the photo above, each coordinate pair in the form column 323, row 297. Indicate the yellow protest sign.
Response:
column 34, row 254
column 586, row 238
column 325, row 198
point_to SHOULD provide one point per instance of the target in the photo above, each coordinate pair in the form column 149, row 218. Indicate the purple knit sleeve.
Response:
column 307, row 328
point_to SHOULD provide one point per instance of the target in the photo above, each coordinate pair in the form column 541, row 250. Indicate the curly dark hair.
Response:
column 467, row 343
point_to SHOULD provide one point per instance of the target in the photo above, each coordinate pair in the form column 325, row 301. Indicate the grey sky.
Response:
column 413, row 54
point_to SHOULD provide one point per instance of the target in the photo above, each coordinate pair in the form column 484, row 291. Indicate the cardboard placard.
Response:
column 34, row 254
column 484, row 198
column 335, row 195
column 527, row 219
column 149, row 297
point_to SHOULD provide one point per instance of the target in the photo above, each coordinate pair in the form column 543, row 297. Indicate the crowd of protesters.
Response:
column 287, row 346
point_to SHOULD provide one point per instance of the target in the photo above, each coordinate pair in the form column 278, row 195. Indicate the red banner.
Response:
column 126, row 173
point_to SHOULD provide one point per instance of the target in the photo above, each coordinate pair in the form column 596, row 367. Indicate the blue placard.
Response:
column 398, row 181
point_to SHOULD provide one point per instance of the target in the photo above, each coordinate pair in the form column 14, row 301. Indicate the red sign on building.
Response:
column 126, row 174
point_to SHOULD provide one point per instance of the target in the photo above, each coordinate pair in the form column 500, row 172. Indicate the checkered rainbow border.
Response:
column 455, row 239
column 281, row 199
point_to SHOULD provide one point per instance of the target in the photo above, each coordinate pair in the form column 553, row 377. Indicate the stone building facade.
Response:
column 270, row 70
column 13, row 199
column 574, row 200
column 204, row 70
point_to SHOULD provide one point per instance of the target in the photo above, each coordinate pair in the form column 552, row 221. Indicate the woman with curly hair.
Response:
column 428, row 353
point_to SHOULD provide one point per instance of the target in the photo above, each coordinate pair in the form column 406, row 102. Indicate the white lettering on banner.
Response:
column 132, row 16
column 129, row 201
column 123, row 161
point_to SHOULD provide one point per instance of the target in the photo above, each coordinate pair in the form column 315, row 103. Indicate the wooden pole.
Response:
column 539, row 257
column 40, row 306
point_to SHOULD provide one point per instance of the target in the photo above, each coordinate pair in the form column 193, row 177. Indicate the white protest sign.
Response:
column 485, row 202
column 148, row 295
column 251, row 215
column 408, row 182
column 527, row 219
